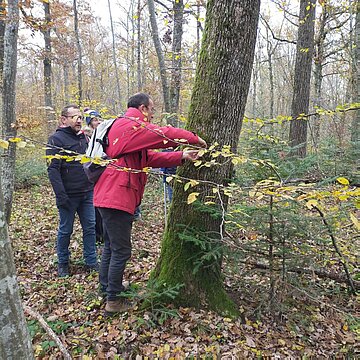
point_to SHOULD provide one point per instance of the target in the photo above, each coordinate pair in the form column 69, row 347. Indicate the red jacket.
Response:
column 132, row 139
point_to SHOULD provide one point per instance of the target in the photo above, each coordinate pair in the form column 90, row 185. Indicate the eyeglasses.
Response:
column 153, row 110
column 75, row 117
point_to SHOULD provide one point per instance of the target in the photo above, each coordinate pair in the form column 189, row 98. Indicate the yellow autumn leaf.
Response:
column 192, row 197
column 355, row 221
column 168, row 179
column 15, row 140
column 342, row 181
column 311, row 203
column 4, row 144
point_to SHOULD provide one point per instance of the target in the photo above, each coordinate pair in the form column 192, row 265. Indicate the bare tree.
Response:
column 114, row 56
column 78, row 45
column 49, row 109
column 160, row 55
column 355, row 126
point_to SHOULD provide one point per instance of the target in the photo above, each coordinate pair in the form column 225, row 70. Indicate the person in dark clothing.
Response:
column 73, row 191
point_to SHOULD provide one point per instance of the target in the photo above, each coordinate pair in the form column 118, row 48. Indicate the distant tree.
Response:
column 160, row 55
column 114, row 56
column 302, row 77
column 176, row 54
column 355, row 126
column 216, row 112
column 79, row 49
column 8, row 114
column 49, row 108
column 2, row 31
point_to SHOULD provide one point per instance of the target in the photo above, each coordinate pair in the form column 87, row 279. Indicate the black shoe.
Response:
column 93, row 267
column 63, row 270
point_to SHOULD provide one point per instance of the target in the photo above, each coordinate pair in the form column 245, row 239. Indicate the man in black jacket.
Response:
column 73, row 191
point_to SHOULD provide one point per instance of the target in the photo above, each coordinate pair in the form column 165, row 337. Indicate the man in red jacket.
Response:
column 117, row 193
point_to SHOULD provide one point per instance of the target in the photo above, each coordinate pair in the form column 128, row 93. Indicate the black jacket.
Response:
column 67, row 177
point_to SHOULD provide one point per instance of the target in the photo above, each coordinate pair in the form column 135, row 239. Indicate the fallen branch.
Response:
column 339, row 278
column 49, row 331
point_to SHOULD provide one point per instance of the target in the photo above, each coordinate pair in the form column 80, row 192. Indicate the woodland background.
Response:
column 279, row 204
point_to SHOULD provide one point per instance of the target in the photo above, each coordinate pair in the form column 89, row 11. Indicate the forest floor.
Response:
column 313, row 327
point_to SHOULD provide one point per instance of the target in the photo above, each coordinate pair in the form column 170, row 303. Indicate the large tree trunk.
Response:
column 178, row 10
column 8, row 103
column 15, row 342
column 217, row 108
column 49, row 109
column 114, row 59
column 302, row 77
column 160, row 55
column 78, row 45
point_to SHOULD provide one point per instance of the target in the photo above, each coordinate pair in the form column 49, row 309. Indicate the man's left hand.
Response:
column 190, row 155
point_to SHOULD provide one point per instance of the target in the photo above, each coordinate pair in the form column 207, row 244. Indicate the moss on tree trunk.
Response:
column 217, row 108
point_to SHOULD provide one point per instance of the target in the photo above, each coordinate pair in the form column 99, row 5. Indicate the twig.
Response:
column 49, row 331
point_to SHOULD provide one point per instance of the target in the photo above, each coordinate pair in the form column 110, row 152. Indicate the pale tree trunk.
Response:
column 216, row 111
column 198, row 29
column 302, row 77
column 78, row 45
column 178, row 10
column 49, row 109
column 114, row 58
column 355, row 125
column 8, row 103
column 139, row 82
column 160, row 55
column 15, row 342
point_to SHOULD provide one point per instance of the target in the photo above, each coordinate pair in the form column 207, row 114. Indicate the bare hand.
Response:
column 190, row 155
column 202, row 142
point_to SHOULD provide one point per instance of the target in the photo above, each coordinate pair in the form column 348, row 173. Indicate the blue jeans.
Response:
column 83, row 206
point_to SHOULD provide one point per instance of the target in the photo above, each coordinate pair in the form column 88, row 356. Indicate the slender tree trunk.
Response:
column 2, row 32
column 160, row 55
column 198, row 30
column 139, row 84
column 78, row 45
column 318, row 70
column 114, row 57
column 178, row 10
column 15, row 342
column 49, row 109
column 8, row 103
column 66, row 83
column 216, row 111
column 355, row 126
column 301, row 95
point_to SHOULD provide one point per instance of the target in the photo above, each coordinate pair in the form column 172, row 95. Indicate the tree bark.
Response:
column 78, row 45
column 2, row 32
column 15, row 342
column 8, row 103
column 178, row 10
column 302, row 77
column 139, row 85
column 160, row 55
column 216, row 111
column 49, row 109
column 355, row 125
column 114, row 58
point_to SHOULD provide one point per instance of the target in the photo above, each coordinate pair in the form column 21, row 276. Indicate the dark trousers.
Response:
column 117, row 226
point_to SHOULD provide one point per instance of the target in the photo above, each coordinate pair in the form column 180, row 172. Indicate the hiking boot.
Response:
column 63, row 270
column 93, row 267
column 117, row 306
